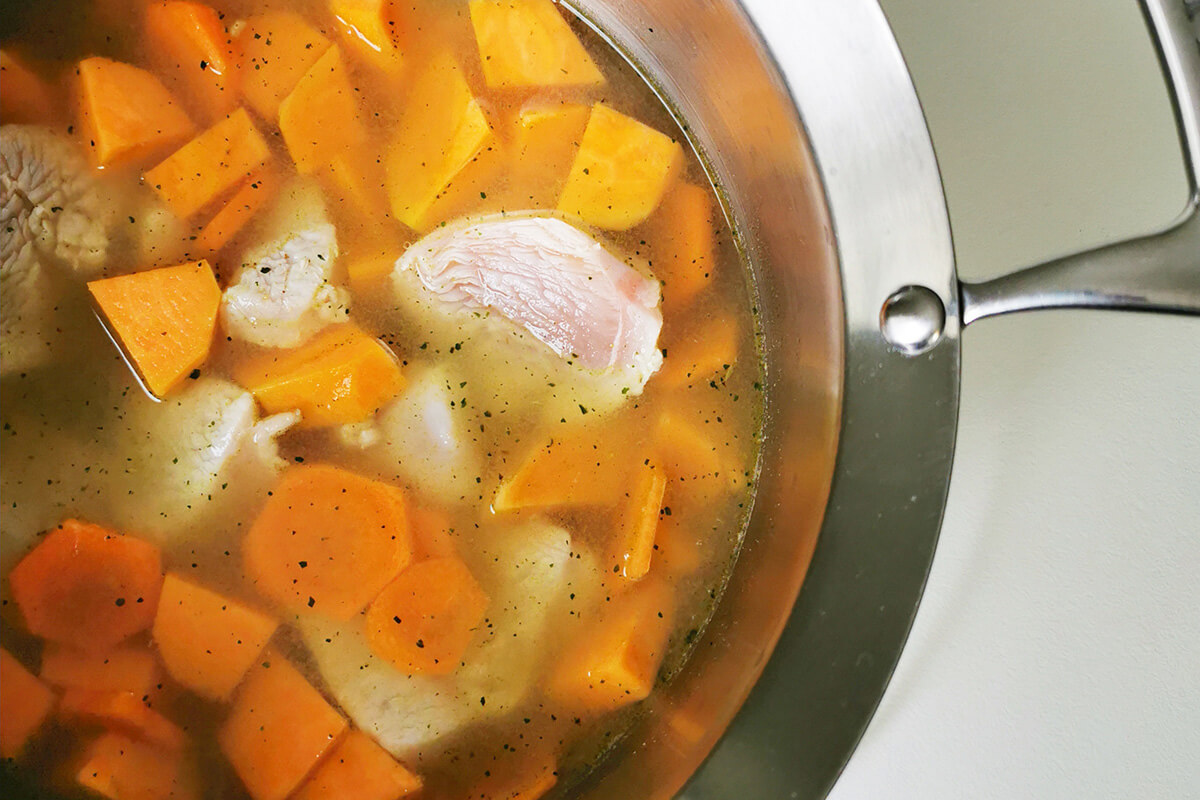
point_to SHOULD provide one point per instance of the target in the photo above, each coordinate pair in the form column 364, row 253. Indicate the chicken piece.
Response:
column 423, row 438
column 56, row 231
column 536, row 580
column 283, row 294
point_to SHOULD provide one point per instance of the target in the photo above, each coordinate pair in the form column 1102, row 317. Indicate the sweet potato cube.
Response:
column 621, row 171
column 207, row 641
column 127, row 668
column 163, row 319
column 25, row 702
column 368, row 28
column 120, row 768
column 677, row 549
column 188, row 43
column 27, row 98
column 277, row 48
column 341, row 375
column 358, row 769
column 697, row 464
column 441, row 140
column 211, row 165
column 709, row 352
column 633, row 543
column 524, row 776
column 432, row 532
column 254, row 194
column 278, row 729
column 526, row 43
column 319, row 120
column 682, row 239
column 126, row 115
column 577, row 469
column 125, row 713
column 616, row 661
column 545, row 140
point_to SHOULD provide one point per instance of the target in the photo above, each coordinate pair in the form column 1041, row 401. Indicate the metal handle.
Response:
column 1160, row 272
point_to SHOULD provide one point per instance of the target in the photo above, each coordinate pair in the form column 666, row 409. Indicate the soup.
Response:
column 380, row 399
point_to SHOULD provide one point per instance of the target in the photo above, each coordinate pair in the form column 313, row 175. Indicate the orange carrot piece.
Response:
column 358, row 769
column 120, row 768
column 87, row 587
column 367, row 272
column 369, row 29
column 127, row 668
column 27, row 98
column 163, row 319
column 278, row 729
column 123, row 712
column 699, row 465
column 677, row 550
column 633, row 544
column 432, row 533
column 544, row 142
column 616, row 662
column 254, row 194
column 211, row 165
column 424, row 620
column 682, row 238
column 320, row 119
column 25, row 702
column 528, row 779
column 327, row 541
column 578, row 469
column 189, row 44
column 341, row 375
column 126, row 115
column 707, row 355
column 207, row 641
column 277, row 48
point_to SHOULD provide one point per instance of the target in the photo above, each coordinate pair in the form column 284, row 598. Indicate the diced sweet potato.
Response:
column 709, row 352
column 277, row 48
column 358, row 769
column 207, row 641
column 254, row 194
column 633, row 541
column 207, row 168
column 621, row 171
column 278, row 729
column 701, row 467
column 682, row 238
column 442, row 141
column 432, row 533
column 527, row 776
column 119, row 768
column 25, row 702
column 319, row 119
column 545, row 140
column 526, row 43
column 369, row 29
column 123, row 712
column 189, row 44
column 163, row 319
column 128, row 668
column 27, row 99
column 341, row 375
column 577, row 469
column 126, row 115
column 677, row 548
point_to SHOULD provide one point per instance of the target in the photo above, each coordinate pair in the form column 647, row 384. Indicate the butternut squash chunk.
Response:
column 621, row 171
column 25, row 702
column 126, row 115
column 277, row 48
column 545, row 141
column 577, row 469
column 27, row 99
column 358, row 769
column 254, row 194
column 682, row 239
column 188, row 43
column 128, row 668
column 319, row 120
column 210, row 166
column 163, row 319
column 369, row 29
column 709, row 354
column 119, row 768
column 525, row 43
column 123, row 712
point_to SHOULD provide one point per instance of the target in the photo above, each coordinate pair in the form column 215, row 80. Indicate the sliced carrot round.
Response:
column 424, row 620
column 88, row 587
column 328, row 541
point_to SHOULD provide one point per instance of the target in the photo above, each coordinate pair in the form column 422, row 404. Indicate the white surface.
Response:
column 1057, row 652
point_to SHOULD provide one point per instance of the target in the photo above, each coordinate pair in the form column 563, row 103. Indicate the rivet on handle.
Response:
column 912, row 319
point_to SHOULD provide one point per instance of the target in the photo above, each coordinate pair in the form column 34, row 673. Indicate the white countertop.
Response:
column 1057, row 651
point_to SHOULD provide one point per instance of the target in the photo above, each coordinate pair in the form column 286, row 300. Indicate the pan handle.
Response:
column 1160, row 272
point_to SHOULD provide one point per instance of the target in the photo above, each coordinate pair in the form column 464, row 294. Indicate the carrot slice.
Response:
column 708, row 355
column 128, row 668
column 424, row 620
column 278, row 729
column 616, row 661
column 682, row 238
column 368, row 27
column 27, row 98
column 120, row 768
column 702, row 467
column 163, row 319
column 277, row 48
column 633, row 545
column 207, row 641
column 211, row 165
column 528, row 778
column 125, row 713
column 358, row 769
column 126, row 115
column 189, row 44
column 254, row 194
column 327, row 541
column 577, row 469
column 341, row 375
column 432, row 533
column 320, row 120
column 677, row 549
column 87, row 587
column 25, row 702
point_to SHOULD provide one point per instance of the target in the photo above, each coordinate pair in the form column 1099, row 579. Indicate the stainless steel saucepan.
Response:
column 833, row 192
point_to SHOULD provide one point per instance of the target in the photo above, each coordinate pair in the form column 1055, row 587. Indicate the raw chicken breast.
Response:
column 283, row 294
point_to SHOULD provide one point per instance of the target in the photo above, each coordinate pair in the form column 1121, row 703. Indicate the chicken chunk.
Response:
column 56, row 232
column 284, row 294
column 537, row 580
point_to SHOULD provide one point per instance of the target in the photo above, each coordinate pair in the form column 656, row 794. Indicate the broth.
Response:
column 575, row 523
